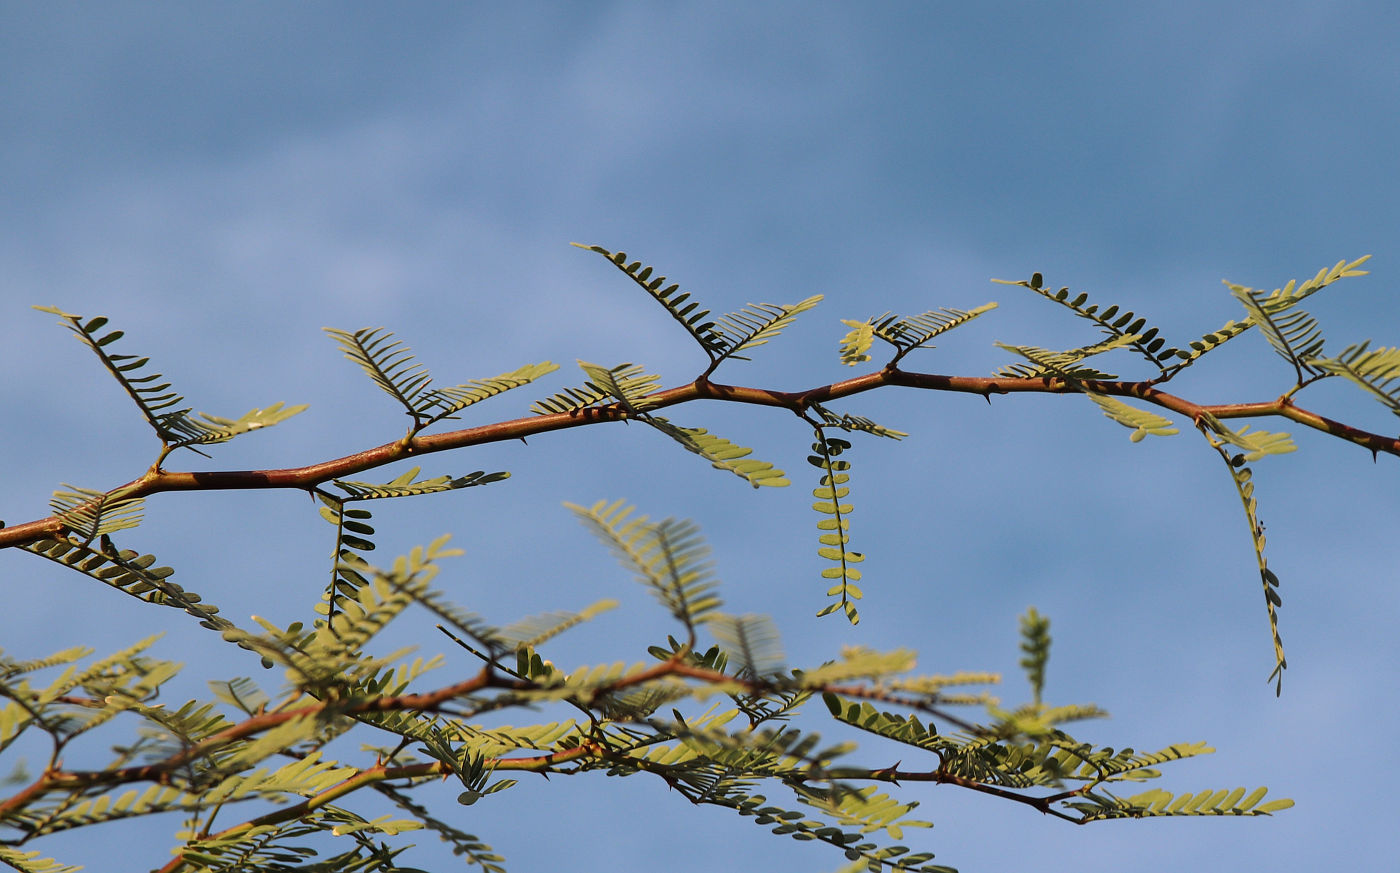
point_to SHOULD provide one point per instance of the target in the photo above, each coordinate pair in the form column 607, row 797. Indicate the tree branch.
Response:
column 302, row 478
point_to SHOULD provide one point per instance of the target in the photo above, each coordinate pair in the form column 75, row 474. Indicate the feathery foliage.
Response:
column 272, row 778
column 90, row 514
column 721, row 338
column 668, row 557
column 1061, row 365
column 1180, row 359
column 1243, row 478
column 751, row 641
column 1372, row 369
column 1141, row 421
column 1035, row 645
column 176, row 427
column 128, row 572
column 1118, row 324
column 905, row 333
column 849, row 422
column 391, row 365
column 625, row 383
column 834, row 539
column 721, row 453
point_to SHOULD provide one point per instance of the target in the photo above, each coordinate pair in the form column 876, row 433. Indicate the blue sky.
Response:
column 223, row 181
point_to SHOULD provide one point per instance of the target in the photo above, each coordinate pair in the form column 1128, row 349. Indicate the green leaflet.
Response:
column 1156, row 803
column 756, row 324
column 721, row 338
column 129, row 573
column 1112, row 321
column 1035, row 648
column 1179, row 359
column 848, row 423
column 104, row 808
column 329, row 657
column 405, row 486
column 1281, row 299
column 353, row 530
column 910, row 332
column 389, row 363
column 751, row 641
column 10, row 668
column 1292, row 333
column 905, row 333
column 90, row 514
column 668, row 556
column 538, row 629
column 192, row 723
column 721, row 453
column 855, row 345
column 459, row 619
column 864, row 854
column 625, row 383
column 304, row 777
column 504, row 739
column 175, row 427
column 352, row 537
column 1141, row 421
column 628, row 390
column 629, row 386
column 1256, row 444
column 1373, row 369
column 864, row 808
column 114, row 683
column 385, row 596
column 242, row 693
column 1061, row 365
column 859, row 662
column 468, row 765
column 446, row 401
column 834, row 538
column 391, row 366
column 684, row 310
column 1219, row 437
column 33, row 862
column 907, row 729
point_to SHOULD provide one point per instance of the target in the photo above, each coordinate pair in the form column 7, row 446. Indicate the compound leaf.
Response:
column 90, row 514
column 625, row 383
column 756, row 324
column 1141, row 421
column 1373, row 369
column 1112, row 321
column 155, row 398
column 684, row 310
column 668, row 556
column 721, row 453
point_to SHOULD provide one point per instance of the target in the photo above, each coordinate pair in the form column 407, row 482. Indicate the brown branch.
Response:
column 157, row 480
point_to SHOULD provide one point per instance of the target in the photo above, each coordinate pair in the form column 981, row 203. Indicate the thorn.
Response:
column 1375, row 455
column 987, row 396
column 522, row 439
